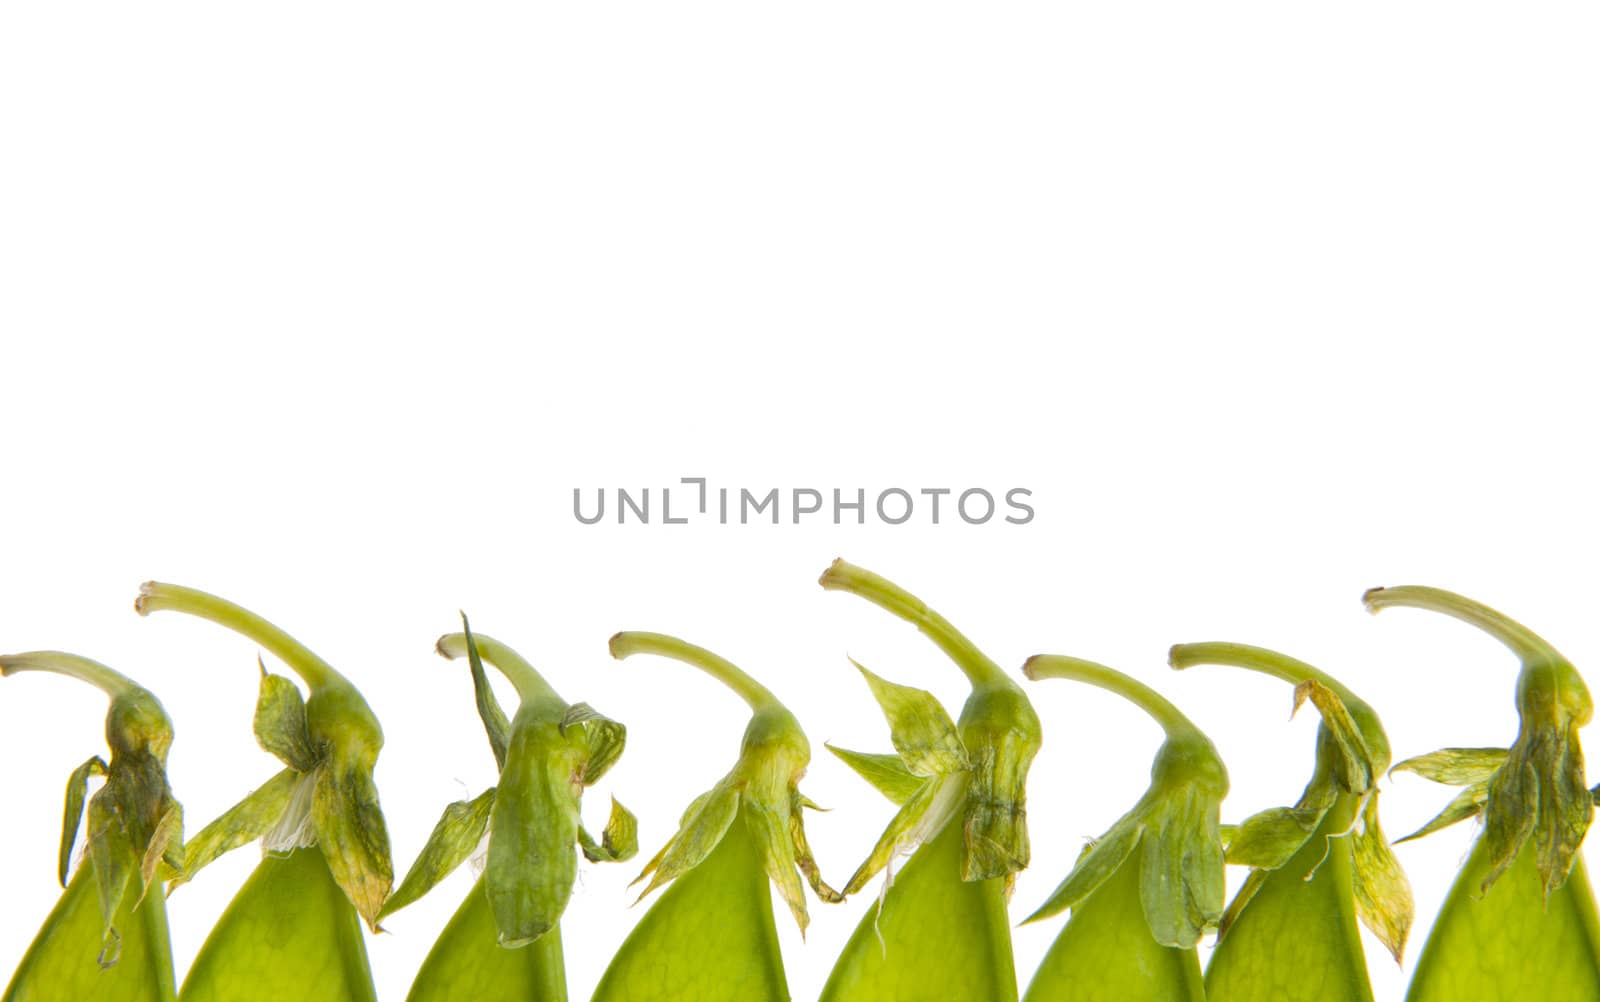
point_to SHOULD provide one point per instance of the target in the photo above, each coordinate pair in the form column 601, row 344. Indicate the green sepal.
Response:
column 769, row 823
column 548, row 753
column 887, row 773
column 762, row 788
column 1002, row 735
column 352, row 835
column 619, row 841
column 998, row 731
column 133, row 821
column 1466, row 804
column 1175, row 827
column 1338, row 804
column 1181, row 881
column 603, row 738
column 699, row 830
column 457, row 835
column 131, row 818
column 1455, row 766
column 495, row 724
column 72, row 813
column 918, row 820
column 801, row 855
column 1350, row 758
column 166, row 845
column 533, row 832
column 1383, row 894
column 113, row 863
column 1270, row 838
column 280, row 722
column 1538, row 796
column 1100, row 859
column 922, row 732
column 1469, row 767
column 335, row 801
column 239, row 825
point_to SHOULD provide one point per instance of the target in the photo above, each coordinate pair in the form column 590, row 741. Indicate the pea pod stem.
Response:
column 979, row 669
column 758, row 696
column 108, row 680
column 1173, row 722
column 530, row 685
column 1527, row 645
column 1260, row 659
column 154, row 596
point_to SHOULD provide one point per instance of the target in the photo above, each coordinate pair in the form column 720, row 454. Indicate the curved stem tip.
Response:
column 980, row 671
column 154, row 596
column 629, row 643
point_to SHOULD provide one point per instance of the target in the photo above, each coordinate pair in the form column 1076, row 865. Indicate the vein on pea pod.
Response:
column 1317, row 867
column 547, row 754
column 940, row 927
column 1520, row 920
column 324, row 840
column 732, row 840
column 1144, row 893
column 107, row 936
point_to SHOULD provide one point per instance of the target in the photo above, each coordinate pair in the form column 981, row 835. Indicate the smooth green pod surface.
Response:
column 288, row 934
column 466, row 962
column 1106, row 953
column 60, row 964
column 1298, row 939
column 937, row 936
column 711, row 935
column 1511, row 943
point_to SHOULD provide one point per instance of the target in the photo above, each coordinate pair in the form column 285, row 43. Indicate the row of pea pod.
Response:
column 1519, row 923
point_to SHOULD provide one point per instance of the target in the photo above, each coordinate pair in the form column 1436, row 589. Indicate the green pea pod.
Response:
column 711, row 936
column 461, row 966
column 288, row 934
column 107, row 936
column 293, row 930
column 1145, row 892
column 1520, row 920
column 504, row 941
column 939, row 930
column 1318, row 867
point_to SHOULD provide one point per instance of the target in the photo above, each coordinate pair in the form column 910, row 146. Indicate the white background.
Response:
column 329, row 308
